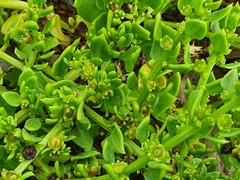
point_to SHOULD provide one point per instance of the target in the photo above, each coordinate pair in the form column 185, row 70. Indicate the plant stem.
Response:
column 73, row 74
column 97, row 118
column 182, row 136
column 226, row 107
column 106, row 125
column 21, row 115
column 136, row 165
column 136, row 149
column 205, row 76
column 9, row 59
column 44, row 167
column 193, row 129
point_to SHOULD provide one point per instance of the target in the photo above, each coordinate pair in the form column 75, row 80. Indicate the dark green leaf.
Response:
column 140, row 32
column 87, row 9
column 175, row 79
column 163, row 104
column 152, row 173
column 142, row 132
column 99, row 48
column 130, row 57
column 7, row 164
column 132, row 82
column 50, row 42
column 116, row 140
column 107, row 152
column 84, row 139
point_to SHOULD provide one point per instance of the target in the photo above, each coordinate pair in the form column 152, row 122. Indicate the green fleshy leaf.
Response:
column 87, row 9
column 50, row 42
column 185, row 7
column 48, row 26
column 219, row 42
column 229, row 79
column 85, row 155
column 21, row 55
column 142, row 130
column 107, row 152
column 217, row 15
column 125, row 41
column 153, row 4
column 30, row 138
column 213, row 5
column 27, row 73
column 175, row 79
column 152, row 173
column 33, row 124
column 84, row 139
column 140, row 32
column 12, row 98
column 132, row 82
column 116, row 140
column 117, row 99
column 163, row 104
column 130, row 57
column 31, row 82
column 196, row 29
column 99, row 48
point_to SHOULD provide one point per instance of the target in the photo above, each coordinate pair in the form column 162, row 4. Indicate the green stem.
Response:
column 193, row 129
column 11, row 60
column 97, row 118
column 73, row 74
column 13, row 4
column 136, row 149
column 48, row 71
column 233, row 103
column 206, row 74
column 44, row 167
column 235, row 45
column 21, row 115
column 106, row 125
column 136, row 165
column 109, row 20
column 182, row 136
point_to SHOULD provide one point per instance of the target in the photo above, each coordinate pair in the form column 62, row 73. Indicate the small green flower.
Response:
column 224, row 122
column 166, row 43
column 118, row 167
column 9, row 175
column 56, row 142
column 88, row 69
column 151, row 85
column 156, row 151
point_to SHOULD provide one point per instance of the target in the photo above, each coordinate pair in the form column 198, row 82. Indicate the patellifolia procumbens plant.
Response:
column 136, row 95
